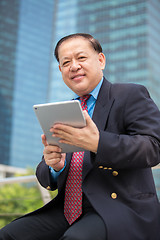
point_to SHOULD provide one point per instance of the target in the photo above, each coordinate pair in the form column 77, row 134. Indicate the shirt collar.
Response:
column 95, row 91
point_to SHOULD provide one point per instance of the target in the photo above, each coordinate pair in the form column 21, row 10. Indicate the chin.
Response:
column 82, row 93
column 80, row 90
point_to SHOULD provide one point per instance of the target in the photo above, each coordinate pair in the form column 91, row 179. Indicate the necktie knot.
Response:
column 83, row 100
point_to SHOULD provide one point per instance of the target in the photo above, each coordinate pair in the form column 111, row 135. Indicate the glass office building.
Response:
column 26, row 46
column 8, row 40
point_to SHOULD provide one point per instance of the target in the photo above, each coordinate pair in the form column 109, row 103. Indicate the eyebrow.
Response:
column 78, row 53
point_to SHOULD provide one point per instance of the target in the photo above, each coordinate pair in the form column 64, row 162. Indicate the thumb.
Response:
column 44, row 141
column 87, row 117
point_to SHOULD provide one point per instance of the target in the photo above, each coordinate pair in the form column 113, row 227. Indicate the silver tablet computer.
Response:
column 68, row 112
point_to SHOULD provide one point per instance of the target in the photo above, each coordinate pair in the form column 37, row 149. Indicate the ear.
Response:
column 102, row 60
column 60, row 69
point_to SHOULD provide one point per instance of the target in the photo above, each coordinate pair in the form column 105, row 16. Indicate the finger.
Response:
column 66, row 142
column 62, row 135
column 87, row 117
column 60, row 128
column 52, row 159
column 52, row 149
column 44, row 141
column 56, row 163
column 50, row 155
column 49, row 160
column 58, row 166
column 63, row 156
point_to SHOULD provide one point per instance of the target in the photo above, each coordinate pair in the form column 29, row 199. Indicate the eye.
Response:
column 66, row 63
column 82, row 58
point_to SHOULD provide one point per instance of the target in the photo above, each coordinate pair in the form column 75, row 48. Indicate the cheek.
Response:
column 64, row 75
column 66, row 80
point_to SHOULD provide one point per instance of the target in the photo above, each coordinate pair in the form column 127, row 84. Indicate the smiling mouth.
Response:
column 77, row 76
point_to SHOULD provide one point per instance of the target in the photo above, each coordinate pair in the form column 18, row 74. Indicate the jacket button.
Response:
column 115, row 173
column 48, row 188
column 114, row 195
column 100, row 166
column 109, row 168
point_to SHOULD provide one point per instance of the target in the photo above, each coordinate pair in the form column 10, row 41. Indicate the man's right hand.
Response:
column 53, row 155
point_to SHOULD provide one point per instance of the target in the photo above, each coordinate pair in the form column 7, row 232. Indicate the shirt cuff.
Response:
column 55, row 174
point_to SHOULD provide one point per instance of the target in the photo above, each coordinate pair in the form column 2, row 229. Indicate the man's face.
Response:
column 81, row 66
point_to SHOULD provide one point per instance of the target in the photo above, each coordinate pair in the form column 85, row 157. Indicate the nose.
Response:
column 75, row 66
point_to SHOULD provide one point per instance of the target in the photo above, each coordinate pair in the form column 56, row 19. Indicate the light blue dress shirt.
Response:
column 90, row 105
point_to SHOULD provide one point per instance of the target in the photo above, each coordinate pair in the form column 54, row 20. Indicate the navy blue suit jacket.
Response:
column 118, row 179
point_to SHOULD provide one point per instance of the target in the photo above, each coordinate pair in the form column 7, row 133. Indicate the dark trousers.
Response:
column 51, row 224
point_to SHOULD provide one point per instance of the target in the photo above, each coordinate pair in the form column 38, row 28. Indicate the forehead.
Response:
column 77, row 44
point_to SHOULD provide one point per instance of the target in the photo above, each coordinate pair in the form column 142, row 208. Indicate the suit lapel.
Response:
column 100, row 117
column 103, row 106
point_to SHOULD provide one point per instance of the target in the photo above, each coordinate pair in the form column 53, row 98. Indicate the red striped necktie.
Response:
column 73, row 190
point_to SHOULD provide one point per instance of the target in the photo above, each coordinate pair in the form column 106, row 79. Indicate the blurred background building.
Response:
column 29, row 29
column 26, row 32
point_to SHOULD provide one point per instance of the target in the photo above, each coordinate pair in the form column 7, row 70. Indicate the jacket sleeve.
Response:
column 132, row 135
column 44, row 176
